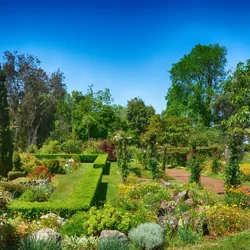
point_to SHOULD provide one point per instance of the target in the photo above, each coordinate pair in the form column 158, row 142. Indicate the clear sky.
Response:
column 126, row 46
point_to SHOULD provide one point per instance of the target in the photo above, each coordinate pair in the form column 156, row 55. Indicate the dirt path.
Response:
column 212, row 184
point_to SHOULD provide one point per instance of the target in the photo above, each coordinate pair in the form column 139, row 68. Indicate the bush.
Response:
column 100, row 161
column 72, row 147
column 109, row 149
column 112, row 243
column 29, row 162
column 147, row 235
column 224, row 220
column 74, row 225
column 193, row 163
column 32, row 243
column 106, row 219
column 8, row 236
column 187, row 236
column 54, row 166
column 76, row 243
column 16, row 160
column 91, row 147
column 34, row 194
column 16, row 189
column 239, row 196
column 50, row 147
column 245, row 170
column 12, row 175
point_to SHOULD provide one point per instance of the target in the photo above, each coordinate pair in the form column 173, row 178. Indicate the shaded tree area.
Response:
column 6, row 147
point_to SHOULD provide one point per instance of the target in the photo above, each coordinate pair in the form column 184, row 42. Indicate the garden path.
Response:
column 211, row 184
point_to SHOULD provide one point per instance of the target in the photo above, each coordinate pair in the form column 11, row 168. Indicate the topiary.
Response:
column 16, row 160
column 147, row 236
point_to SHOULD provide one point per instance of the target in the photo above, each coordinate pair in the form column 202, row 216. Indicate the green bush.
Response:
column 34, row 194
column 147, row 236
column 54, row 166
column 82, row 198
column 112, row 243
column 16, row 189
column 107, row 218
column 8, row 236
column 187, row 236
column 32, row 243
column 51, row 147
column 12, row 175
column 100, row 161
column 84, row 158
column 77, row 243
column 72, row 147
column 74, row 225
column 16, row 160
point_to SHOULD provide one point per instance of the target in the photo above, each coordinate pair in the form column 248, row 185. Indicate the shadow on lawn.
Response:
column 106, row 169
column 102, row 194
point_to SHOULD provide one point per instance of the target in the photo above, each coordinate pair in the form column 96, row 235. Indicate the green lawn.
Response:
column 110, row 179
column 67, row 183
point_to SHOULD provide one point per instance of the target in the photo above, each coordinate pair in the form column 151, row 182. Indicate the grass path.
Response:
column 111, row 178
column 68, row 182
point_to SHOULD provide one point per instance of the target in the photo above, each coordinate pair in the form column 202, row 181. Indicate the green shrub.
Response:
column 32, row 243
column 12, row 175
column 74, row 225
column 76, row 158
column 186, row 235
column 100, row 161
column 34, row 194
column 84, row 158
column 112, row 243
column 147, row 235
column 239, row 196
column 72, row 147
column 54, row 166
column 16, row 160
column 51, row 147
column 77, row 243
column 16, row 189
column 107, row 218
column 8, row 236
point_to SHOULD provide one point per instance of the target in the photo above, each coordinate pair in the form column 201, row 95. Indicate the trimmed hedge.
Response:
column 82, row 198
column 84, row 158
column 12, row 175
column 100, row 161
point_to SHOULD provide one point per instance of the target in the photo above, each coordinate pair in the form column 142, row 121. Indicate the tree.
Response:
column 33, row 97
column 196, row 78
column 138, row 115
column 6, row 147
column 238, row 124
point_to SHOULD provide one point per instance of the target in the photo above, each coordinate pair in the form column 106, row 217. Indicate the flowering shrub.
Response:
column 245, row 170
column 195, row 167
column 41, row 172
column 70, row 166
column 133, row 196
column 29, row 162
column 239, row 196
column 51, row 220
column 224, row 220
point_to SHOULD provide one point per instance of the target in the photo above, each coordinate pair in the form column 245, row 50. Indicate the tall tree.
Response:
column 33, row 97
column 6, row 147
column 196, row 78
column 138, row 115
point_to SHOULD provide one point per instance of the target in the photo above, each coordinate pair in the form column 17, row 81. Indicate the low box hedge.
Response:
column 84, row 158
column 100, row 161
column 82, row 198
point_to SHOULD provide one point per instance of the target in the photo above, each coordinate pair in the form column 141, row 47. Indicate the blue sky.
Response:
column 126, row 46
